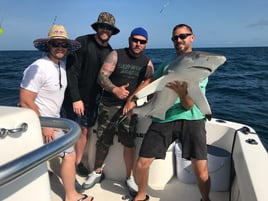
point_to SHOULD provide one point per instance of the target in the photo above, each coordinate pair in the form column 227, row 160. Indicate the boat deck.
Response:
column 24, row 168
column 116, row 190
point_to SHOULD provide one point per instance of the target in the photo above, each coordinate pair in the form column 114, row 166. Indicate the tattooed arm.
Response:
column 106, row 70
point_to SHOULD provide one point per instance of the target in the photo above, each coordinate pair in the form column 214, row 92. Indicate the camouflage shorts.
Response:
column 111, row 122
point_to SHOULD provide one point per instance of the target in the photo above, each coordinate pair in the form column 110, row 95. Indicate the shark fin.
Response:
column 199, row 98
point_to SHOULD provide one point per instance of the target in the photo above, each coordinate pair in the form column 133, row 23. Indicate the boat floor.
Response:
column 116, row 190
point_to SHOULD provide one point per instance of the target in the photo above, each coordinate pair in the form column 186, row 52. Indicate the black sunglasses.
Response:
column 106, row 27
column 59, row 44
column 181, row 36
column 136, row 40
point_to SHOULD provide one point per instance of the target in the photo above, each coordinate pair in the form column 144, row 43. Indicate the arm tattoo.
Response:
column 106, row 70
column 105, row 82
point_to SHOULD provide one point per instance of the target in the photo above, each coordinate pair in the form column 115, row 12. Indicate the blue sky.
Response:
column 230, row 23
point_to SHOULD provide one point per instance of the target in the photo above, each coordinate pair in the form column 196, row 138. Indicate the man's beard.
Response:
column 103, row 40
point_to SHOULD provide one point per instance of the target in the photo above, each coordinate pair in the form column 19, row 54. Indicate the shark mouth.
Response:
column 202, row 67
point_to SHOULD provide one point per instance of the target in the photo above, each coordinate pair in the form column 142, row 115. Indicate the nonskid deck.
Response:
column 110, row 190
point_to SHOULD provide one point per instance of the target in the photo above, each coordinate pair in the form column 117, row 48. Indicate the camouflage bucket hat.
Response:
column 106, row 18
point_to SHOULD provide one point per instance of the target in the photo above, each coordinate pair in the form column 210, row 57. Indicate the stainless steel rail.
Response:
column 13, row 169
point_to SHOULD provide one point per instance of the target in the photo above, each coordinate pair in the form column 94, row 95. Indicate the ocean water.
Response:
column 237, row 91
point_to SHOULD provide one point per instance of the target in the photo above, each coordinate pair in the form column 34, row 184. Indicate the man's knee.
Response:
column 84, row 131
column 204, row 176
column 144, row 163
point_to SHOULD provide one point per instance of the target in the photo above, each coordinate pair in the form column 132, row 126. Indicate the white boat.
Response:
column 240, row 174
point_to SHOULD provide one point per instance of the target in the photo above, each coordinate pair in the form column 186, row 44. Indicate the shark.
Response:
column 192, row 68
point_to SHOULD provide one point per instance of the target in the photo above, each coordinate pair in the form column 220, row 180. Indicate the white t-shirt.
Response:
column 44, row 78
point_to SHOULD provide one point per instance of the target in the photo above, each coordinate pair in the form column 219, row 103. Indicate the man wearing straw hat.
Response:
column 42, row 90
column 83, row 93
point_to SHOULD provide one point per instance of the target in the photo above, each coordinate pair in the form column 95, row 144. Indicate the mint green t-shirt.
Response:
column 177, row 111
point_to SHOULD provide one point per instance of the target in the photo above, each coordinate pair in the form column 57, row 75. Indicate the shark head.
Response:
column 202, row 64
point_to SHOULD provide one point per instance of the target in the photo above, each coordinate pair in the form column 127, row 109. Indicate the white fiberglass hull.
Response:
column 250, row 162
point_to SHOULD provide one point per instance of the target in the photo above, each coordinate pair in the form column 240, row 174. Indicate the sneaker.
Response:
column 78, row 187
column 92, row 179
column 132, row 186
column 81, row 170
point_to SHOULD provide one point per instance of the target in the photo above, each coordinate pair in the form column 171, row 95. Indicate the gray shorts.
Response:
column 191, row 134
column 59, row 134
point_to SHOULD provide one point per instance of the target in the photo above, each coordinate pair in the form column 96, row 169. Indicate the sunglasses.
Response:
column 59, row 44
column 106, row 27
column 136, row 40
column 181, row 36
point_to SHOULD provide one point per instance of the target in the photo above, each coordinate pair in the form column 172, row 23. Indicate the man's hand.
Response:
column 128, row 107
column 179, row 87
column 48, row 134
column 121, row 92
column 181, row 90
column 78, row 108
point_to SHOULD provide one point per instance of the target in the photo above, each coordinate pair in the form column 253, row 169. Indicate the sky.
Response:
column 229, row 23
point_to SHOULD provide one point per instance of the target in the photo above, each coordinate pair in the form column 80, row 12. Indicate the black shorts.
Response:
column 191, row 134
column 111, row 121
column 87, row 120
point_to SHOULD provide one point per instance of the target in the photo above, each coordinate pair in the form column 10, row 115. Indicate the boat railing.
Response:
column 17, row 167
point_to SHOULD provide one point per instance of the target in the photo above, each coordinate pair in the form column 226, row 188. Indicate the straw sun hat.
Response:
column 56, row 32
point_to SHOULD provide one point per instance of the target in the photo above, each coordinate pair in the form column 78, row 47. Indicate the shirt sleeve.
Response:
column 160, row 70
column 32, row 78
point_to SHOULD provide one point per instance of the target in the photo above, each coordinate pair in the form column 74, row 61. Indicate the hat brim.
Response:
column 41, row 44
column 95, row 27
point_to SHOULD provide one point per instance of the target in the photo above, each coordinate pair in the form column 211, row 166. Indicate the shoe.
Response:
column 145, row 199
column 92, row 179
column 78, row 187
column 81, row 170
column 132, row 186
